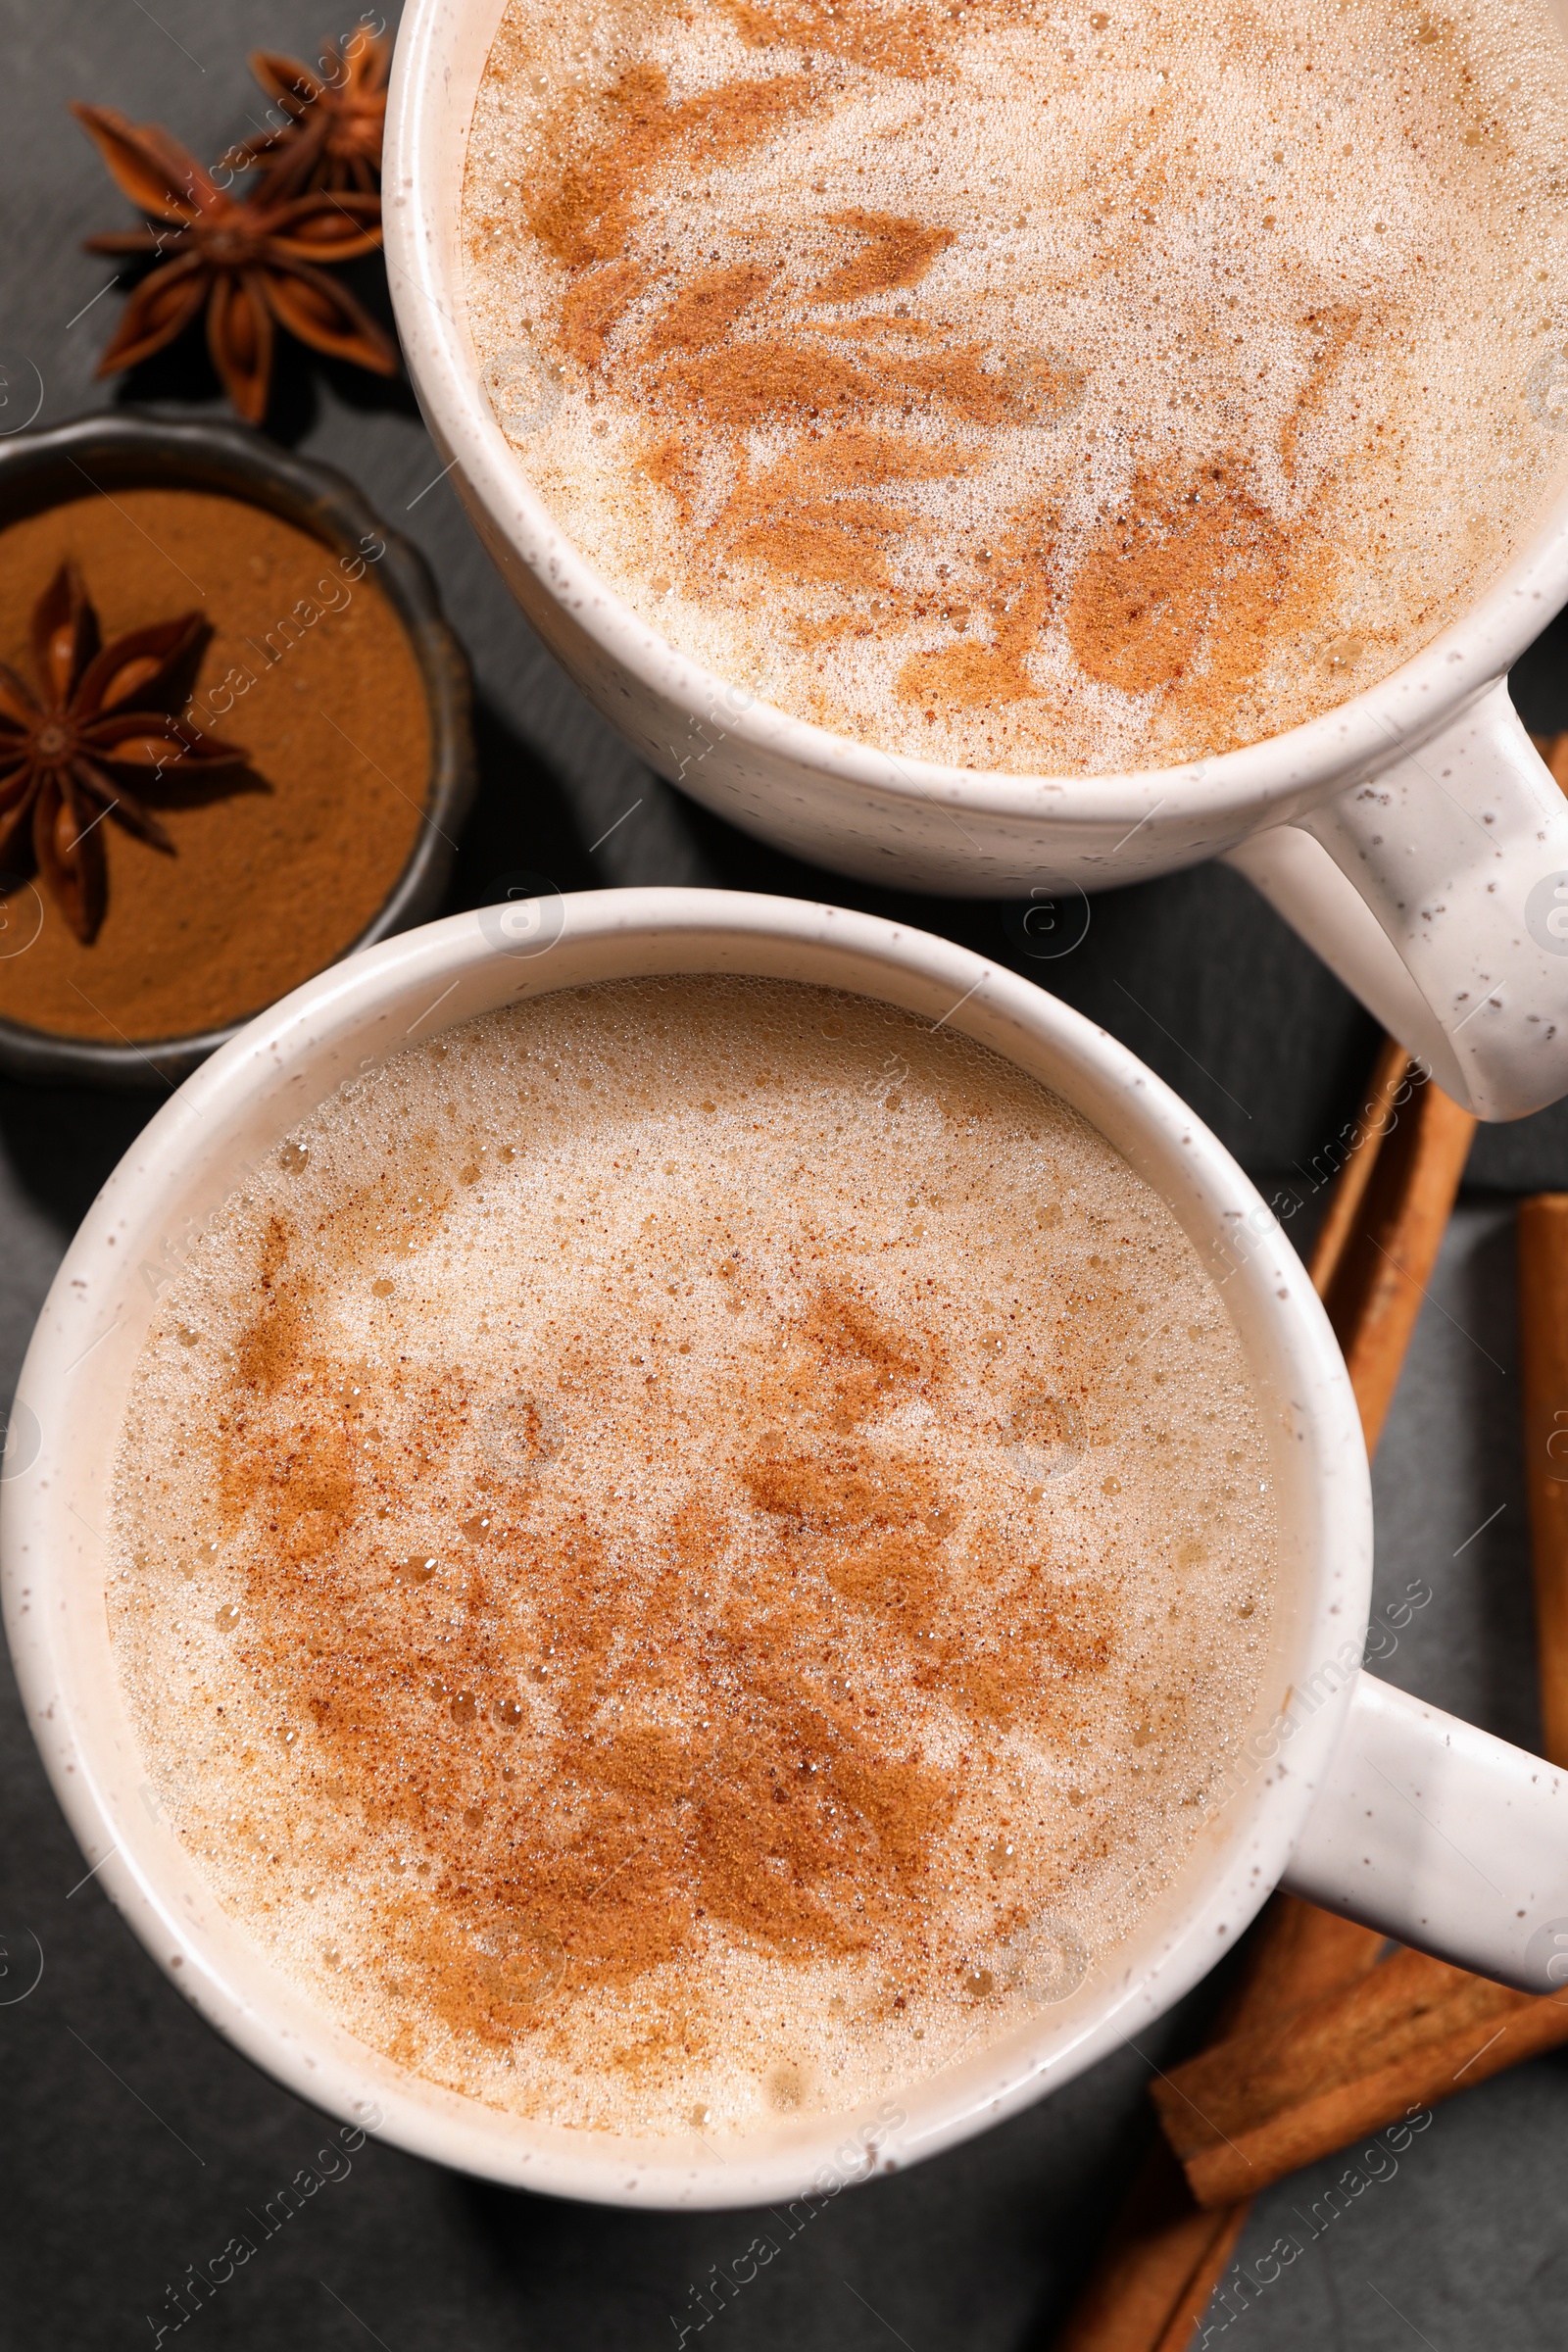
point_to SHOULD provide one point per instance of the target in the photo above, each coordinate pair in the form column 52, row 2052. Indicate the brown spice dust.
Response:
column 268, row 885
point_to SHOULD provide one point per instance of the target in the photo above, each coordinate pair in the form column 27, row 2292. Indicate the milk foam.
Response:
column 691, row 1552
column 1024, row 387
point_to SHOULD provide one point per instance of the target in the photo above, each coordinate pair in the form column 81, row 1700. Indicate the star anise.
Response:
column 332, row 138
column 105, row 717
column 249, row 265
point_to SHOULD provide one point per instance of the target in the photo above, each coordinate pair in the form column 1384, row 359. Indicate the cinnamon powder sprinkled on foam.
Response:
column 1264, row 309
column 685, row 1530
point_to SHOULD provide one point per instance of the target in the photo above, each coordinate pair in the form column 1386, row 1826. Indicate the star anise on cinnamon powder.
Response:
column 252, row 266
column 332, row 138
column 105, row 717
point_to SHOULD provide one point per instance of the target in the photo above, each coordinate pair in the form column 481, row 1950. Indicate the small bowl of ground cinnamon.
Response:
column 235, row 740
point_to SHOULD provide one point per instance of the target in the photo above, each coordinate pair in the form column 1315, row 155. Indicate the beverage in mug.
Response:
column 690, row 1552
column 1061, row 391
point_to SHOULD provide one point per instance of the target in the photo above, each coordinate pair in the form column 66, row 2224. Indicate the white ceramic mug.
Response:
column 1412, row 836
column 1349, row 1793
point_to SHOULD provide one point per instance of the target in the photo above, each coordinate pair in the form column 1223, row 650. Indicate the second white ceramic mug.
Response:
column 1412, row 836
column 1344, row 1790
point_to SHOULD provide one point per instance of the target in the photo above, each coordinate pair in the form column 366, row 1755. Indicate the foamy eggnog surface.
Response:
column 691, row 1552
column 1028, row 386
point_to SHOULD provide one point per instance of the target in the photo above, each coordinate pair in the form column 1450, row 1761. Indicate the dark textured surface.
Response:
column 136, row 2139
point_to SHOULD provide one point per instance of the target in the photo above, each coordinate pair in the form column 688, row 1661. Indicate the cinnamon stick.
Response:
column 1403, row 2037
column 1391, row 1073
column 1544, row 1381
column 1554, row 748
column 1189, row 2309
column 1166, row 2254
column 1162, row 2249
column 1375, row 1257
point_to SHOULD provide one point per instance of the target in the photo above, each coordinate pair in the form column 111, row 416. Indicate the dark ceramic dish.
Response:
column 120, row 452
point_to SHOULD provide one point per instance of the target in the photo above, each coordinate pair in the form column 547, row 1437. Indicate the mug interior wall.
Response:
column 197, row 1152
column 467, row 34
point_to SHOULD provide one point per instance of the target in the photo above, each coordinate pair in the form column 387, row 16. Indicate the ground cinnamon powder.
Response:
column 309, row 670
column 816, row 515
column 784, row 1807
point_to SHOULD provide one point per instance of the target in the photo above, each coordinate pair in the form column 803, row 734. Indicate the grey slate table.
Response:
column 135, row 2140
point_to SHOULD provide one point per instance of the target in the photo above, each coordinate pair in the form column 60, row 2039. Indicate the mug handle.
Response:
column 1442, row 1837
column 1437, row 890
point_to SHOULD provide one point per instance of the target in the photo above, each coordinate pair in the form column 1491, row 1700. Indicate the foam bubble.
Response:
column 1022, row 390
column 655, row 1571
